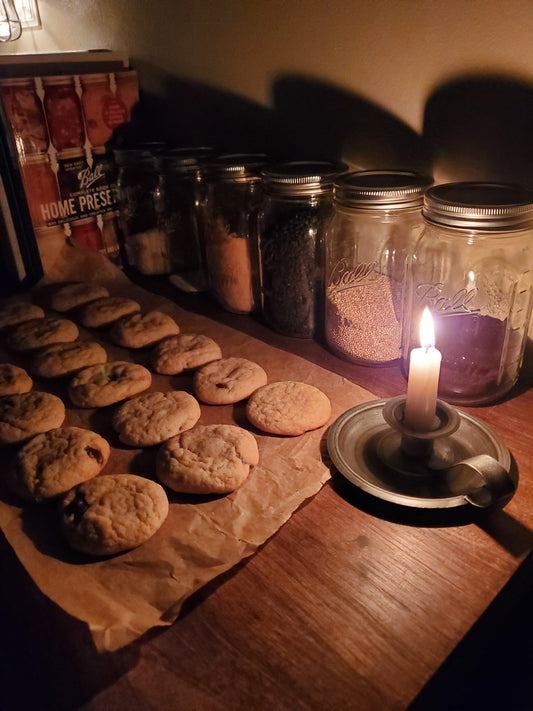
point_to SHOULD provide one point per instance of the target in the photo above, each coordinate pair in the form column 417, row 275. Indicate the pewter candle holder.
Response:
column 461, row 460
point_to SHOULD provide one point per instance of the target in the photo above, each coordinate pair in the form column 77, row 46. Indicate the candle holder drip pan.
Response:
column 462, row 461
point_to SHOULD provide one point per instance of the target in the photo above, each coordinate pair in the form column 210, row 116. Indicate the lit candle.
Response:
column 423, row 383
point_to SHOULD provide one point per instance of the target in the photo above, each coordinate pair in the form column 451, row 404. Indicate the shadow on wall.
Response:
column 475, row 127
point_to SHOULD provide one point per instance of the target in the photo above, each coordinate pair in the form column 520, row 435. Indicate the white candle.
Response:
column 423, row 383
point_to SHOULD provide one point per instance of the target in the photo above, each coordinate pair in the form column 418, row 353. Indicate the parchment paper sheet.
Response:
column 121, row 597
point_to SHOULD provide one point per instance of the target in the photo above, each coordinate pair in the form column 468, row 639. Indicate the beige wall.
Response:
column 447, row 83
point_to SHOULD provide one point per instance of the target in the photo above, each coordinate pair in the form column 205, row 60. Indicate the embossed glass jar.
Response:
column 376, row 222
column 473, row 268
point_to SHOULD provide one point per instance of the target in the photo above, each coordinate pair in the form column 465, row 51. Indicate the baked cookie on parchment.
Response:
column 209, row 459
column 63, row 359
column 288, row 408
column 103, row 312
column 112, row 513
column 14, row 380
column 152, row 418
column 50, row 464
column 141, row 330
column 186, row 351
column 106, row 383
column 228, row 380
column 67, row 297
column 14, row 312
column 25, row 415
column 31, row 335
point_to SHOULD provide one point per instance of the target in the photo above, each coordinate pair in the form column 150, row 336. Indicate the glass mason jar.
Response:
column 376, row 221
column 145, row 247
column 63, row 113
column 473, row 268
column 179, row 203
column 233, row 201
column 296, row 207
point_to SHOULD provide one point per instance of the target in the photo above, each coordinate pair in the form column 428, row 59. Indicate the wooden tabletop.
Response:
column 354, row 604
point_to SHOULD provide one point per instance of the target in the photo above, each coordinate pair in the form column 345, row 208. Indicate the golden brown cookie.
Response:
column 288, row 408
column 64, row 359
column 31, row 335
column 25, row 415
column 185, row 351
column 103, row 312
column 52, row 463
column 228, row 380
column 112, row 513
column 152, row 418
column 14, row 380
column 67, row 297
column 210, row 459
column 14, row 312
column 107, row 383
column 141, row 330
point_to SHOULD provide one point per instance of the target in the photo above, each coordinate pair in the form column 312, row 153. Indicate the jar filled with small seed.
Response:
column 179, row 200
column 234, row 198
column 376, row 221
column 296, row 208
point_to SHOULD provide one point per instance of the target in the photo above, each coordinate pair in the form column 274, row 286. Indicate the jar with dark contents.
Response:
column 376, row 221
column 63, row 113
column 145, row 247
column 234, row 199
column 179, row 203
column 473, row 268
column 296, row 208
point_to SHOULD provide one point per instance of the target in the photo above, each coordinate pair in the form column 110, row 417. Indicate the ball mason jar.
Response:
column 296, row 207
column 473, row 268
column 377, row 218
column 232, row 207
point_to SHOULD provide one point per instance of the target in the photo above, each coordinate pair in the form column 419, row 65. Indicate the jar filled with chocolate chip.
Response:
column 376, row 222
column 292, row 220
column 234, row 198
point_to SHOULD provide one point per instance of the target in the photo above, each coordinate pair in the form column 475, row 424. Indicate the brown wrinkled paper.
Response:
column 121, row 597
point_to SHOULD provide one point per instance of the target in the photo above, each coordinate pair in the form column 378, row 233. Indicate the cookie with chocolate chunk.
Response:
column 107, row 383
column 112, row 513
column 50, row 464
column 67, row 297
column 25, row 415
column 14, row 380
column 209, row 459
column 228, row 380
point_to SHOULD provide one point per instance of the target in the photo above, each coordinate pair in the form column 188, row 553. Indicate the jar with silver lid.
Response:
column 179, row 200
column 376, row 221
column 233, row 201
column 473, row 268
column 296, row 208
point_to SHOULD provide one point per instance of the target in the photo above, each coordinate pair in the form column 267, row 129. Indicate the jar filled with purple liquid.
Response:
column 473, row 268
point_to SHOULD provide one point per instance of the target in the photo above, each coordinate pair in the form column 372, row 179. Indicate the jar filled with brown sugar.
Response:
column 233, row 201
column 376, row 221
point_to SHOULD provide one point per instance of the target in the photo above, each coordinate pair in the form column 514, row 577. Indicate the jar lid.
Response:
column 301, row 177
column 380, row 189
column 183, row 160
column 479, row 206
column 239, row 166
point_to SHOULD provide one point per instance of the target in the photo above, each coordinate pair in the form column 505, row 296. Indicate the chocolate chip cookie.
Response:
column 14, row 312
column 67, row 297
column 228, row 380
column 63, row 359
column 31, row 335
column 14, row 380
column 25, row 415
column 186, row 351
column 103, row 312
column 141, row 330
column 107, row 383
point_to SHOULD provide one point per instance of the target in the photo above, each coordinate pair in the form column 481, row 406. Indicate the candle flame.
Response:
column 427, row 330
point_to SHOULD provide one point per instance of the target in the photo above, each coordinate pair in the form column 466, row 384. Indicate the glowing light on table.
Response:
column 423, row 383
